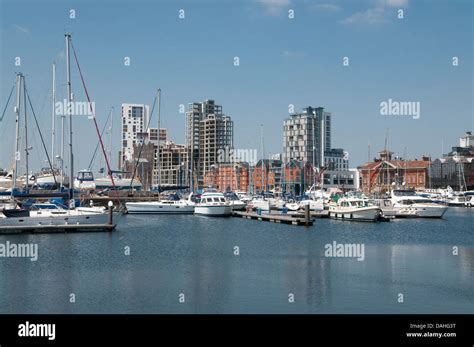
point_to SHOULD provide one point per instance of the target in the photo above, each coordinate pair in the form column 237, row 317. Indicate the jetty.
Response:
column 294, row 219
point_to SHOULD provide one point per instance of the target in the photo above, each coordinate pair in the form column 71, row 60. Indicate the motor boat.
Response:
column 168, row 206
column 260, row 203
column 213, row 204
column 235, row 202
column 85, row 181
column 354, row 209
column 386, row 206
column 409, row 204
column 243, row 196
column 458, row 200
column 314, row 205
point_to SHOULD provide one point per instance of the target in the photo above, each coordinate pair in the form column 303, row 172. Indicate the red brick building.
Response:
column 384, row 173
column 228, row 177
column 270, row 178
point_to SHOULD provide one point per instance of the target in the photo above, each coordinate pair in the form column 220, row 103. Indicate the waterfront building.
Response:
column 267, row 176
column 336, row 160
column 134, row 122
column 173, row 170
column 456, row 168
column 385, row 173
column 227, row 177
column 307, row 136
column 208, row 130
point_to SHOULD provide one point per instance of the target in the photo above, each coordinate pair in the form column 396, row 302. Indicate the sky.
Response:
column 282, row 61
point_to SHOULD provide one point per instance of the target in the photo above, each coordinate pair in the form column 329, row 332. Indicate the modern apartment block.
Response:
column 172, row 161
column 134, row 122
column 307, row 136
column 208, row 130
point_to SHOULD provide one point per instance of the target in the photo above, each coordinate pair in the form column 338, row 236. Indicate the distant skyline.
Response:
column 282, row 62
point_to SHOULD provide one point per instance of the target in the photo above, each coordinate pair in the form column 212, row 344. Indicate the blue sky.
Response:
column 282, row 61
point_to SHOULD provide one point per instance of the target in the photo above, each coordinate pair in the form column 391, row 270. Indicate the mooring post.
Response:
column 111, row 205
column 307, row 215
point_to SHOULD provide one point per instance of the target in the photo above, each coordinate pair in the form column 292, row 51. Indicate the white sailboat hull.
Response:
column 156, row 207
column 57, row 218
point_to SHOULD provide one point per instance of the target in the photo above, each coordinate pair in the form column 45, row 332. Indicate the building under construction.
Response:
column 208, row 130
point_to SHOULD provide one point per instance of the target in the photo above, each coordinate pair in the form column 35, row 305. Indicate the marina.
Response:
column 173, row 254
column 201, row 166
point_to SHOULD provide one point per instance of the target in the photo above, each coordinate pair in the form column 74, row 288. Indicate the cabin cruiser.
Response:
column 408, row 204
column 85, row 181
column 314, row 205
column 260, row 203
column 458, row 200
column 213, row 204
column 243, row 196
column 355, row 209
column 386, row 206
column 46, row 180
column 235, row 202
column 53, row 214
column 169, row 206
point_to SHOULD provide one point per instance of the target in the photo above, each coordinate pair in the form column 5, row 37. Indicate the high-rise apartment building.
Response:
column 307, row 136
column 134, row 125
column 208, row 130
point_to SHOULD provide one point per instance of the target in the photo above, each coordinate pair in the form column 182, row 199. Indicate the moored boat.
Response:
column 354, row 209
column 168, row 206
column 213, row 204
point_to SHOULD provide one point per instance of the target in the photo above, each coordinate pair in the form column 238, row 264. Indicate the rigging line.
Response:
column 109, row 171
column 143, row 142
column 41, row 136
column 6, row 105
column 98, row 142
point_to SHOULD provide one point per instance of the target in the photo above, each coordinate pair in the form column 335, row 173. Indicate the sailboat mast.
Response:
column 369, row 181
column 263, row 157
column 26, row 136
column 69, row 111
column 53, row 113
column 158, row 159
column 110, row 133
column 19, row 77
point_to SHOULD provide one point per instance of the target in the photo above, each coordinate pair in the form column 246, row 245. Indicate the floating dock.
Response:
column 275, row 218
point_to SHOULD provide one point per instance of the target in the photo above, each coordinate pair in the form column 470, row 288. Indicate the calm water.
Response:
column 194, row 255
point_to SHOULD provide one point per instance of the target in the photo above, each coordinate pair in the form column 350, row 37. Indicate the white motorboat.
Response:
column 46, row 179
column 314, row 205
column 354, row 209
column 243, row 196
column 386, row 206
column 260, row 203
column 85, row 181
column 408, row 204
column 52, row 214
column 235, row 202
column 292, row 206
column 162, row 207
column 213, row 204
column 458, row 200
column 277, row 203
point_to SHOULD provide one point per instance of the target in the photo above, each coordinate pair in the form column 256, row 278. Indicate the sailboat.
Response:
column 47, row 214
column 176, row 206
